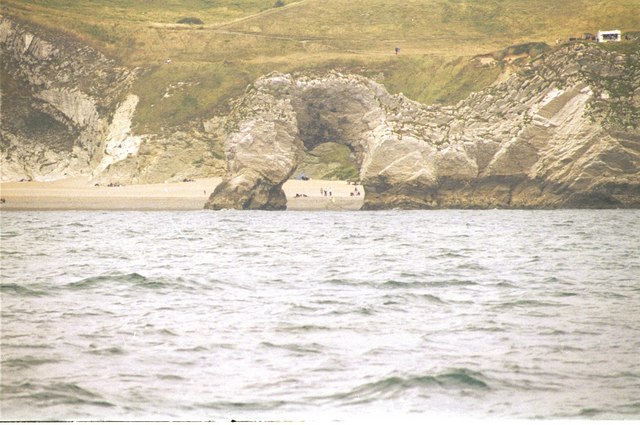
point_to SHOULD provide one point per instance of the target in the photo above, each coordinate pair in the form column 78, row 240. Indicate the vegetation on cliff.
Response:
column 190, row 57
column 200, row 67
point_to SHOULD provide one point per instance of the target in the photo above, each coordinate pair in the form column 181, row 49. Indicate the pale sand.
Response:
column 340, row 200
column 79, row 194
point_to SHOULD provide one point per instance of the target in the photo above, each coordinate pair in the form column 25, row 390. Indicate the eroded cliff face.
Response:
column 563, row 132
column 67, row 110
column 58, row 100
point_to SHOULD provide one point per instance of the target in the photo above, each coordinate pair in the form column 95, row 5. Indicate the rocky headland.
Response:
column 562, row 131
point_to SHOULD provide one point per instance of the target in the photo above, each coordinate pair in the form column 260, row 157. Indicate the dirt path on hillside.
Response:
column 217, row 28
column 226, row 28
column 263, row 13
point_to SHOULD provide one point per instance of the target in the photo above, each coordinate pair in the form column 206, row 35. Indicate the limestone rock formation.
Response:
column 55, row 91
column 563, row 132
column 68, row 110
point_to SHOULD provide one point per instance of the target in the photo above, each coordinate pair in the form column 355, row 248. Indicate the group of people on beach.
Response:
column 329, row 192
column 326, row 192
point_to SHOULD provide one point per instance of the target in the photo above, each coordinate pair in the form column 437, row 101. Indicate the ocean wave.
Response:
column 242, row 406
column 10, row 389
column 197, row 348
column 553, row 332
column 26, row 362
column 504, row 284
column 432, row 299
column 132, row 279
column 590, row 412
column 471, row 266
column 10, row 253
column 393, row 386
column 561, row 348
column 68, row 393
column 529, row 303
column 399, row 283
column 629, row 408
column 452, row 282
column 312, row 348
column 27, row 346
column 170, row 377
column 93, row 281
column 15, row 289
column 111, row 351
column 425, row 283
column 302, row 328
column 566, row 294
column 614, row 295
column 54, row 394
column 78, row 224
column 358, row 310
column 451, row 254
column 484, row 328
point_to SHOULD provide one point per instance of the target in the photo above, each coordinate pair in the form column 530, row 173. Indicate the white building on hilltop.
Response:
column 606, row 36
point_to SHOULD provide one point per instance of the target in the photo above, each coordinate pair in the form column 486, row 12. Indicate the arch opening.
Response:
column 331, row 116
column 326, row 179
column 330, row 127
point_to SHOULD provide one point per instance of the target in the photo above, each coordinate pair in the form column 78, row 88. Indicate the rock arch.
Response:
column 282, row 117
column 528, row 142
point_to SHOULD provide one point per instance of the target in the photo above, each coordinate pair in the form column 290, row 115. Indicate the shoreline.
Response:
column 78, row 194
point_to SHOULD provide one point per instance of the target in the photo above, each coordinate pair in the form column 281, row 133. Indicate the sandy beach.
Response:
column 78, row 194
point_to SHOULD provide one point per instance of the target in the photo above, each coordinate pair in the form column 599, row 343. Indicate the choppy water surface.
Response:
column 245, row 315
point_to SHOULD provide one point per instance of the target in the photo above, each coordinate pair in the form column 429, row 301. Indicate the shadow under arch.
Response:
column 324, row 116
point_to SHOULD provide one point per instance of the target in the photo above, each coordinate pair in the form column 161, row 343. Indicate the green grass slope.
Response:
column 240, row 40
column 328, row 161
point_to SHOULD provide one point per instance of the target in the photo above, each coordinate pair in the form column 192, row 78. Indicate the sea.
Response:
column 299, row 315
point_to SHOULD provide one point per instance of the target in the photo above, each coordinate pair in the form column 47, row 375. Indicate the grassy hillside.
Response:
column 328, row 161
column 240, row 40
